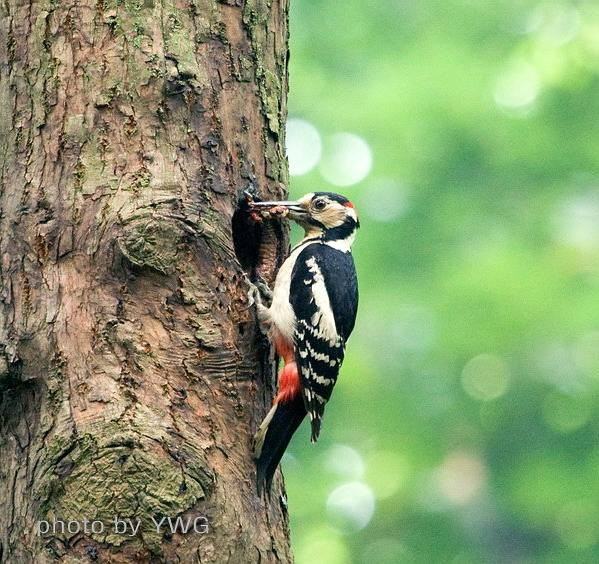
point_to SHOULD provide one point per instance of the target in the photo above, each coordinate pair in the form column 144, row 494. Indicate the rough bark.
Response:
column 131, row 371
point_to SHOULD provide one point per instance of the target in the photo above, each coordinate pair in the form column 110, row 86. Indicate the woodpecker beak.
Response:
column 296, row 210
column 291, row 206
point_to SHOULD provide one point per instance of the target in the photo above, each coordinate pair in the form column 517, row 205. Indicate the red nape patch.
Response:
column 289, row 383
column 349, row 205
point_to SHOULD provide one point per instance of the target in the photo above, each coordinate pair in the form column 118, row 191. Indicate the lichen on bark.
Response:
column 100, row 479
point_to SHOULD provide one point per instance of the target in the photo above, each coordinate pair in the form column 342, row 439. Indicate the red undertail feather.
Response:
column 282, row 420
column 289, row 379
column 289, row 383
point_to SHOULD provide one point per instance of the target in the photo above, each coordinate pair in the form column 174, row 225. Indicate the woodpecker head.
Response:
column 322, row 214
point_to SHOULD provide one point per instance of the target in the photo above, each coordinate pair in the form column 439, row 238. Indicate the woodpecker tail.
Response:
column 273, row 436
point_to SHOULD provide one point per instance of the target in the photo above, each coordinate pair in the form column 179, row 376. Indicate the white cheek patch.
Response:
column 352, row 213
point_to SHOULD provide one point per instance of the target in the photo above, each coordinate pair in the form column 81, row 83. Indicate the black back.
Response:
column 339, row 275
column 335, row 265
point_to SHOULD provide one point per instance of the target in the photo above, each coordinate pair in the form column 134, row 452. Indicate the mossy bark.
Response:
column 132, row 376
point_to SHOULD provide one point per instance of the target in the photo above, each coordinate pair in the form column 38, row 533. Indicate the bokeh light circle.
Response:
column 461, row 477
column 387, row 473
column 384, row 200
column 554, row 23
column 304, row 146
column 564, row 413
column 347, row 160
column 345, row 461
column 350, row 507
column 321, row 546
column 517, row 87
column 576, row 221
column 485, row 377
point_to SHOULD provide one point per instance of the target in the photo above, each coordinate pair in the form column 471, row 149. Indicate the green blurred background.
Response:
column 464, row 426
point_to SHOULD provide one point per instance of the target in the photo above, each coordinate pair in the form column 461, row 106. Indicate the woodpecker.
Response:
column 311, row 316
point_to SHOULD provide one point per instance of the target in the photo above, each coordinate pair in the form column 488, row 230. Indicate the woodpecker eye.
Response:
column 319, row 204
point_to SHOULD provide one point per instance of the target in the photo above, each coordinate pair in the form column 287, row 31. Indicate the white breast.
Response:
column 280, row 310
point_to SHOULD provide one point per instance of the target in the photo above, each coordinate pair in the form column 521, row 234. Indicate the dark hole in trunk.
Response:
column 260, row 246
column 247, row 235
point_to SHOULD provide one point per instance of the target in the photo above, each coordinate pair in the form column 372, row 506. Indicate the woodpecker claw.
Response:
column 253, row 295
column 264, row 289
column 258, row 291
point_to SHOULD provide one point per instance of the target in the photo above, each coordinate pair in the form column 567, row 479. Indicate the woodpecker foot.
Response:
column 254, row 296
column 264, row 289
column 256, row 292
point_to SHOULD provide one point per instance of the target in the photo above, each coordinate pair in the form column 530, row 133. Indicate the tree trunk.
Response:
column 131, row 370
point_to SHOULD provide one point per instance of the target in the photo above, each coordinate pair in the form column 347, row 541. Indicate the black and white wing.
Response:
column 324, row 298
